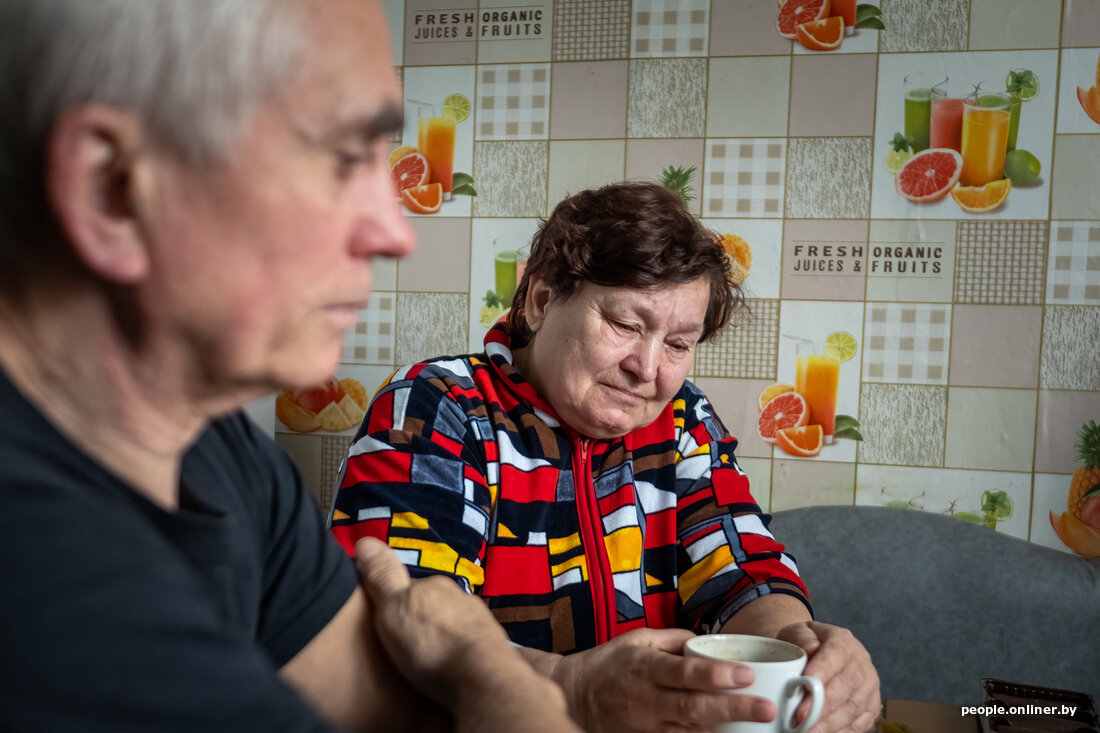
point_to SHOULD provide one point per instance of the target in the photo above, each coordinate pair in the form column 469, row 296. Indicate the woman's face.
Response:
column 609, row 359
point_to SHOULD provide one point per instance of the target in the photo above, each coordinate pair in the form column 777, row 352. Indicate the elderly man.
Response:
column 192, row 195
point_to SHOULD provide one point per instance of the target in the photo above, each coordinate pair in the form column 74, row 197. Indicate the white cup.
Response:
column 778, row 668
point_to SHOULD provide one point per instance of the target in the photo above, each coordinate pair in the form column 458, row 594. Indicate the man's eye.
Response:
column 347, row 162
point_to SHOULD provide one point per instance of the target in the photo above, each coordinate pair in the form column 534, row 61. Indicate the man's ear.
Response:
column 93, row 181
column 539, row 295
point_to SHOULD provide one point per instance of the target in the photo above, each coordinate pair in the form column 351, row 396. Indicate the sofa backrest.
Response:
column 940, row 603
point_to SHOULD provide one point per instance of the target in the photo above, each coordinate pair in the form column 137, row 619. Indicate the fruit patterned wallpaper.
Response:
column 909, row 188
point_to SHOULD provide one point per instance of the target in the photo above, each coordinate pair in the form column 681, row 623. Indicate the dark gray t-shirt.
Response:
column 118, row 616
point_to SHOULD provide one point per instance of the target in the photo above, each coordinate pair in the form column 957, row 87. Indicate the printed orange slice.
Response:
column 821, row 35
column 982, row 199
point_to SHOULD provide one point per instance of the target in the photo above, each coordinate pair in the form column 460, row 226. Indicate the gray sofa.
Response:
column 940, row 603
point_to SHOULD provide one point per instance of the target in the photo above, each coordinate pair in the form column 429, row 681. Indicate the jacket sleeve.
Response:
column 727, row 557
column 415, row 477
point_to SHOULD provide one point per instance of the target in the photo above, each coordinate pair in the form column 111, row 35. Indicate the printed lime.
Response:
column 456, row 107
column 840, row 345
column 1023, row 83
column 895, row 159
column 1022, row 167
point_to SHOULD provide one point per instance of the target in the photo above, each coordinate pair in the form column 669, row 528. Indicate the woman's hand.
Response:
column 640, row 682
column 852, row 698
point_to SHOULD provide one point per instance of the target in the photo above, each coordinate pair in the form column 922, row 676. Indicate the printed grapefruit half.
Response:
column 787, row 410
column 795, row 12
column 929, row 174
column 411, row 170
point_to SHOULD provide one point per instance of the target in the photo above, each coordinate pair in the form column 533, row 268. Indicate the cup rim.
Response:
column 704, row 639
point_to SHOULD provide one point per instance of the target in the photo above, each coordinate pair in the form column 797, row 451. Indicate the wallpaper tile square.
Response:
column 373, row 338
column 906, row 342
column 1081, row 23
column 924, row 25
column 521, row 40
column 820, row 107
column 829, row 178
column 798, row 483
column 579, row 164
column 824, row 259
column 1000, row 262
column 431, row 324
column 1061, row 414
column 513, row 102
column 441, row 260
column 902, row 424
column 432, row 50
column 589, row 100
column 765, row 80
column 667, row 98
column 586, row 30
column 663, row 28
column 511, row 178
column 996, row 345
column 747, row 348
column 990, row 428
column 1064, row 363
column 927, row 254
column 1000, row 24
column 1073, row 180
column 1073, row 267
column 744, row 178
column 646, row 158
column 735, row 30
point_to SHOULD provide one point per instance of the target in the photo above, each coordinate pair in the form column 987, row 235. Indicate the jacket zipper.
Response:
column 591, row 526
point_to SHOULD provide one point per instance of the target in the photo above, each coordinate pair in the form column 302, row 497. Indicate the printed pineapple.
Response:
column 1079, row 526
column 678, row 180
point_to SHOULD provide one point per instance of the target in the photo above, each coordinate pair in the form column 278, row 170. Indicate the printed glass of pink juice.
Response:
column 945, row 128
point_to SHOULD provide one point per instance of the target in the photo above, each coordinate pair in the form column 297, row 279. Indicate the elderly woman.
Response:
column 572, row 477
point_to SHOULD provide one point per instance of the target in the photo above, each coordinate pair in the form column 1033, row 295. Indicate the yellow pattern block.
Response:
column 433, row 555
column 409, row 520
column 624, row 549
column 702, row 571
column 574, row 562
column 475, row 574
column 560, row 545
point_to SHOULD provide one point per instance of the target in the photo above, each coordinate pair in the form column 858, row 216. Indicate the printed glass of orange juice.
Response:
column 984, row 141
column 435, row 140
column 817, row 379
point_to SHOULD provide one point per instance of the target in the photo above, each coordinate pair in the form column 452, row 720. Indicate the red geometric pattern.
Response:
column 466, row 471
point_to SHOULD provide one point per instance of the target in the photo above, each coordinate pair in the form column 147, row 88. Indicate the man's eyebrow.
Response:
column 388, row 120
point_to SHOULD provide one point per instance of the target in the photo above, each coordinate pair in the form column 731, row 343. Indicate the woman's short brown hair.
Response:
column 633, row 235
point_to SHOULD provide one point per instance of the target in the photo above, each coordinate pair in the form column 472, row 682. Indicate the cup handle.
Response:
column 791, row 701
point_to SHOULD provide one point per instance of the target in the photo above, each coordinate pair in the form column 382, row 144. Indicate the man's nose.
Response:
column 381, row 228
